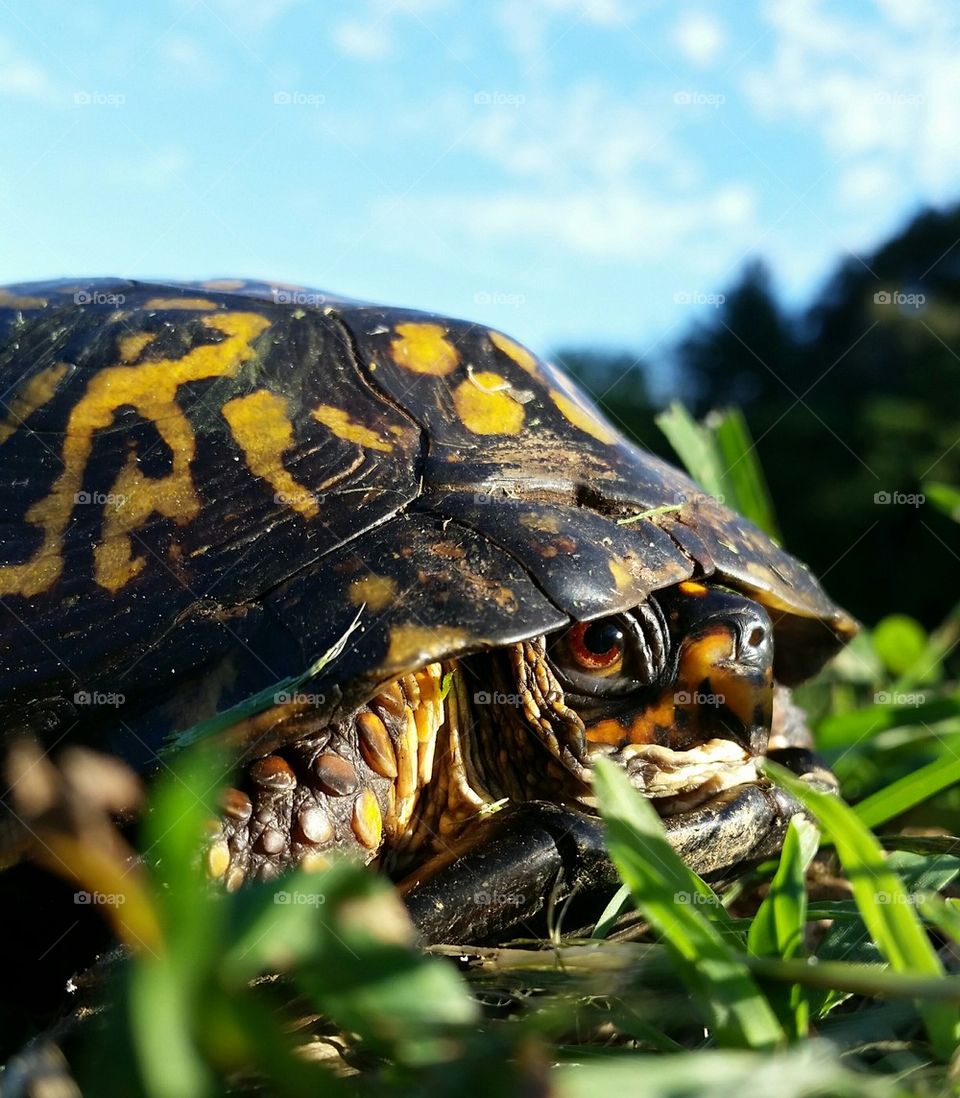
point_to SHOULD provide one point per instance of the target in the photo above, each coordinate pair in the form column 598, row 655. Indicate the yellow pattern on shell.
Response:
column 261, row 424
column 30, row 396
column 339, row 421
column 376, row 592
column 485, row 407
column 151, row 389
column 132, row 346
column 582, row 418
column 180, row 303
column 520, row 355
column 424, row 349
column 413, row 645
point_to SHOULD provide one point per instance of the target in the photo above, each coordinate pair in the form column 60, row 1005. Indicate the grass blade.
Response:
column 883, row 901
column 779, row 926
column 686, row 913
column 908, row 791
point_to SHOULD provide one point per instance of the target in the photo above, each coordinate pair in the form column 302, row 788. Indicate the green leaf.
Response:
column 719, row 455
column 161, row 1020
column 945, row 497
column 883, row 901
column 745, row 487
column 908, row 791
column 899, row 641
column 685, row 912
column 810, row 1071
column 695, row 447
column 779, row 926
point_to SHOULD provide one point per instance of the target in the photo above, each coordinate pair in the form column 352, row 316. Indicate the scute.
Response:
column 317, row 455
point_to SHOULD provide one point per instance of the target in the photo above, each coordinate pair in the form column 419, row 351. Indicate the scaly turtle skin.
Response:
column 203, row 484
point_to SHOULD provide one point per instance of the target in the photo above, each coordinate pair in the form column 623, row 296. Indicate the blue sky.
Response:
column 573, row 172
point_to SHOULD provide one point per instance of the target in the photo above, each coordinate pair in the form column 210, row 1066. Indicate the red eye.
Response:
column 596, row 645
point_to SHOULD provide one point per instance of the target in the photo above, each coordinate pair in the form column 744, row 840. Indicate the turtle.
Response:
column 206, row 486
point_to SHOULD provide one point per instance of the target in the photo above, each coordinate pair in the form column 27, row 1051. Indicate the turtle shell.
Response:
column 201, row 484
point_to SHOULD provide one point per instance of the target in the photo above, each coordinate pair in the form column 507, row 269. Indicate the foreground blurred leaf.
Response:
column 685, row 912
column 805, row 1072
column 899, row 641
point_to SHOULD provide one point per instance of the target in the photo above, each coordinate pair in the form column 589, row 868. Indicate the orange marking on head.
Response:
column 691, row 587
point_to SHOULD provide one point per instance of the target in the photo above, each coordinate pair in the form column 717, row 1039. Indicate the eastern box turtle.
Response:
column 204, row 484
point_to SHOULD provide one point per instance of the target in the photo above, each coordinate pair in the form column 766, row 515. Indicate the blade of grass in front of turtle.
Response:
column 779, row 926
column 908, row 791
column 695, row 446
column 745, row 486
column 685, row 912
column 883, row 901
column 610, row 913
column 260, row 701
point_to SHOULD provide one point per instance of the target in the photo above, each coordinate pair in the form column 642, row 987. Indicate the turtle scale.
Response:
column 462, row 490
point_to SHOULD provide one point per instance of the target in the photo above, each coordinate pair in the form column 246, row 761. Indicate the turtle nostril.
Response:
column 757, row 635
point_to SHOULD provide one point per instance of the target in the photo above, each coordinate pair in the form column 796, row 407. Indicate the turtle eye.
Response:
column 612, row 656
column 597, row 645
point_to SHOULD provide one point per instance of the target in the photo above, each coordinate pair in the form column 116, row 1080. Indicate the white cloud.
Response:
column 21, row 78
column 603, row 224
column 700, row 37
column 584, row 133
column 884, row 85
column 362, row 41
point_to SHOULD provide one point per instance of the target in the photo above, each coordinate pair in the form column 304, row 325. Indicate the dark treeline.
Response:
column 854, row 404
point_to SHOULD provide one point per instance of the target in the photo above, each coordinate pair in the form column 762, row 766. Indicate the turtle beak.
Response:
column 724, row 686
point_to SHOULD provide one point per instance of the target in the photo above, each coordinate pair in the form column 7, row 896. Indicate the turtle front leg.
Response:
column 507, row 869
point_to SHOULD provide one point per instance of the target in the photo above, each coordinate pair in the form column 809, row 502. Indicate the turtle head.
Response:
column 679, row 690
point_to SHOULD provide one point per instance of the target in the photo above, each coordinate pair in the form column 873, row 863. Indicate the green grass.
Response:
column 829, row 971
